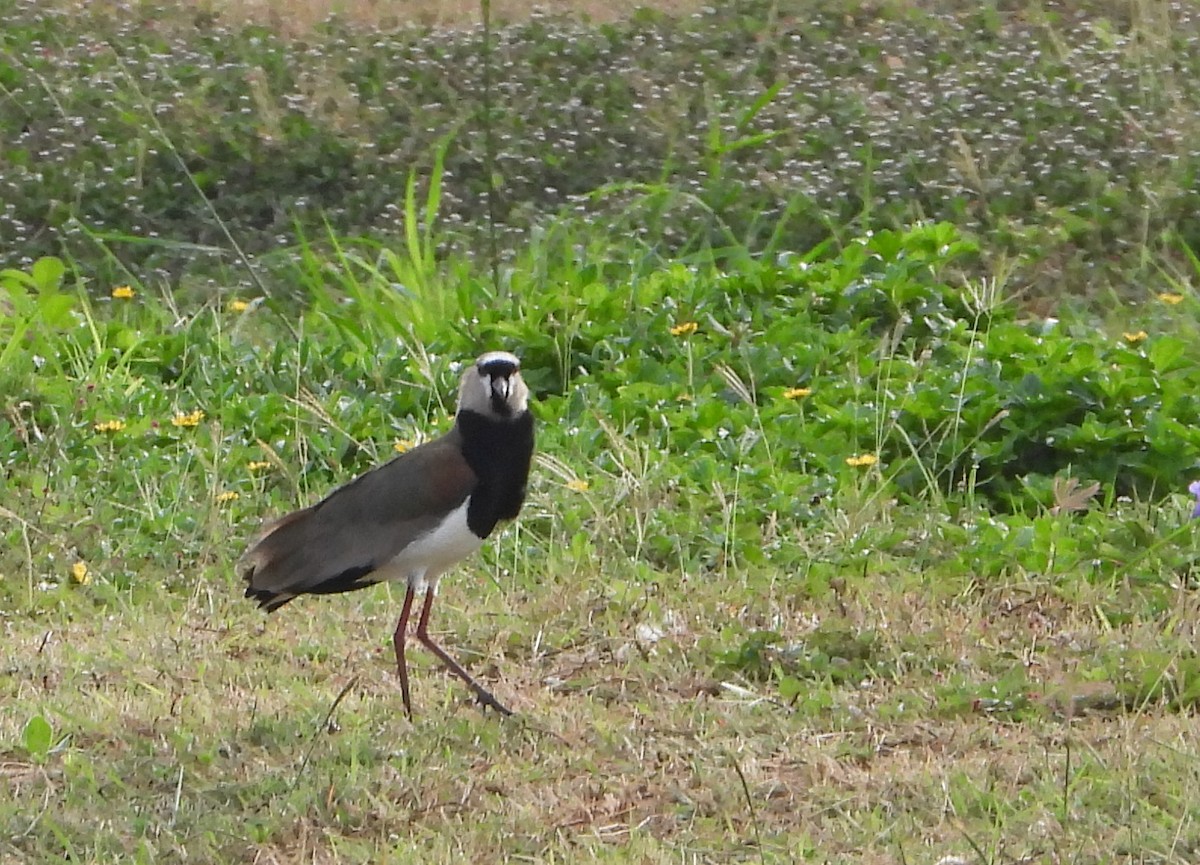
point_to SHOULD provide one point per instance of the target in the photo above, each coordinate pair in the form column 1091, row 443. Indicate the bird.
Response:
column 410, row 519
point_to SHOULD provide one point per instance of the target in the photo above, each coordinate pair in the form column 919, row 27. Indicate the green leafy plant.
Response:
column 37, row 737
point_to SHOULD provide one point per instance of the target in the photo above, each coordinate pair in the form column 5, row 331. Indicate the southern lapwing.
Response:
column 412, row 518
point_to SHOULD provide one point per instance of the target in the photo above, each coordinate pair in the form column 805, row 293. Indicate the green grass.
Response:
column 719, row 636
column 1064, row 135
column 836, row 549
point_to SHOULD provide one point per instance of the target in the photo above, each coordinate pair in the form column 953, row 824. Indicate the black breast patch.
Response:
column 499, row 452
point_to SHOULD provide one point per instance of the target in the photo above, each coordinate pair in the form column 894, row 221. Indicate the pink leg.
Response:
column 484, row 696
column 398, row 642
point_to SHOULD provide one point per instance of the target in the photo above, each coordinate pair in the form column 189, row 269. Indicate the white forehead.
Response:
column 494, row 356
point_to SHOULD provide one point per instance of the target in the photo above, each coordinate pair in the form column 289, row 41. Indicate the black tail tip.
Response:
column 267, row 600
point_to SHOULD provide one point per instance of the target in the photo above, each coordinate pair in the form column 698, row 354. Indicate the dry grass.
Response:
column 197, row 728
column 995, row 715
column 295, row 18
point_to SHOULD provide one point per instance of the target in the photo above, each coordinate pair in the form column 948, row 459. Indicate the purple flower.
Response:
column 1194, row 489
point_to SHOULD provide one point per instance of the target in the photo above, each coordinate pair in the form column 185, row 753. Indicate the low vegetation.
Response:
column 1067, row 136
column 860, row 527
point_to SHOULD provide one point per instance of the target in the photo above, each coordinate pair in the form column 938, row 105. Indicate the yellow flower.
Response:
column 862, row 460
column 684, row 397
column 797, row 392
column 579, row 485
column 109, row 426
column 685, row 328
column 404, row 445
column 1171, row 299
column 228, row 496
column 238, row 306
column 122, row 292
column 188, row 418
column 1135, row 338
column 79, row 573
column 258, row 465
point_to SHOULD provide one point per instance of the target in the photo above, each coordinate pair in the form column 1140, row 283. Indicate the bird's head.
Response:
column 493, row 387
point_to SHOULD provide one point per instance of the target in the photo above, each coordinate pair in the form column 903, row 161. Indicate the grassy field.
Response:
column 860, row 527
column 304, row 17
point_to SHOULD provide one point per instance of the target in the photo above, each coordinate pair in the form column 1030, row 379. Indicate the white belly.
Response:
column 433, row 553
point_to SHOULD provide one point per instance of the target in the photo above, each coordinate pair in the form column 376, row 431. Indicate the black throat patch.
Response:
column 499, row 452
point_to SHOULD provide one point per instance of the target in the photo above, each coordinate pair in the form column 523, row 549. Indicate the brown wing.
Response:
column 334, row 545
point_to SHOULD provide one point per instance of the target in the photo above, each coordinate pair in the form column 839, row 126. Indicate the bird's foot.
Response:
column 488, row 701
